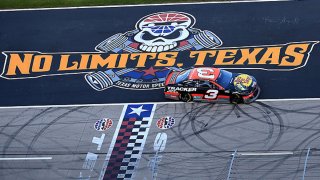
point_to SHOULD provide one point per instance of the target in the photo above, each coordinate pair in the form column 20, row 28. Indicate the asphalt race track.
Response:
column 238, row 25
column 271, row 140
column 80, row 97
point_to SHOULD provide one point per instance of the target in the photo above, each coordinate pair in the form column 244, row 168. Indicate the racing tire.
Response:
column 186, row 97
column 236, row 99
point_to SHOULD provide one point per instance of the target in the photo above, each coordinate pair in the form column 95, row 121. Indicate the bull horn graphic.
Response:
column 114, row 42
column 200, row 40
column 208, row 39
column 103, row 80
column 117, row 43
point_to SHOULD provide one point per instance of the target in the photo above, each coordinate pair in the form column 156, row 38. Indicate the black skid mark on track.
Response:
column 36, row 137
column 19, row 141
column 214, row 126
column 301, row 126
column 269, row 121
column 13, row 119
column 188, row 114
column 190, row 117
column 30, row 148
column 278, row 164
column 236, row 111
column 298, row 111
column 215, row 114
column 8, row 124
column 266, row 115
column 307, row 113
column 190, row 169
column 159, row 107
column 308, row 123
column 46, row 165
column 273, row 118
column 178, row 134
column 283, row 111
column 282, row 126
column 13, row 137
column 16, row 133
column 308, row 140
column 298, row 169
column 197, row 133
column 281, row 122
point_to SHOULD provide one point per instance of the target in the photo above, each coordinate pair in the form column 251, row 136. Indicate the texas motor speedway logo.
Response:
column 159, row 32
column 142, row 57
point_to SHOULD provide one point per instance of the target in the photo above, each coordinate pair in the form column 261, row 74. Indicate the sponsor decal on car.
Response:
column 174, row 89
column 243, row 79
column 141, row 58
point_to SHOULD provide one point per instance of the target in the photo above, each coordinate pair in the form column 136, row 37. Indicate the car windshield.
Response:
column 183, row 76
column 224, row 78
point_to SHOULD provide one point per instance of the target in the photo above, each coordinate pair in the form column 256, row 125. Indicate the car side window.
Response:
column 206, row 84
column 214, row 86
column 189, row 84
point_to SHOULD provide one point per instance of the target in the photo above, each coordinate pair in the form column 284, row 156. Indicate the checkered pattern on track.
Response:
column 129, row 140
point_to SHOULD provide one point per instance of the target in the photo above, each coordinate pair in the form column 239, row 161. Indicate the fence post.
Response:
column 305, row 164
column 231, row 163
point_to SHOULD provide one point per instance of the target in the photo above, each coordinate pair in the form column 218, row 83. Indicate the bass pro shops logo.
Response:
column 141, row 58
column 159, row 32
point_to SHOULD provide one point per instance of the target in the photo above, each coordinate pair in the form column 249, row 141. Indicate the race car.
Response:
column 208, row 84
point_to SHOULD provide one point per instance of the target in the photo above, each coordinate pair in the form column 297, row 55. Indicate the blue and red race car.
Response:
column 208, row 84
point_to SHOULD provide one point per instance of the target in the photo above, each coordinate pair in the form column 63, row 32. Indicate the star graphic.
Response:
column 150, row 71
column 137, row 111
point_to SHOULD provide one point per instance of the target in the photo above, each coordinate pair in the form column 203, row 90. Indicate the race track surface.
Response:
column 58, row 86
column 238, row 25
column 262, row 140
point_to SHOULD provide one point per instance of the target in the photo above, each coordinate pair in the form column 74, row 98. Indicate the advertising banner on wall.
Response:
column 102, row 55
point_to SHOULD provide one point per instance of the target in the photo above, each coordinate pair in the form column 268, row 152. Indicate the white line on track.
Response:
column 139, row 5
column 292, row 99
column 25, row 158
column 265, row 153
column 81, row 105
column 120, row 104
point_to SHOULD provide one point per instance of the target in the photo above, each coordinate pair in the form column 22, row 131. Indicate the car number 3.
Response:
column 205, row 73
column 211, row 94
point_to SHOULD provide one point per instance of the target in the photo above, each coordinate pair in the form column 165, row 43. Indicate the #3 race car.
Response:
column 208, row 84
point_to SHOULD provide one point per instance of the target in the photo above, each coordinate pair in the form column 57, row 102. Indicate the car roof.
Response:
column 204, row 73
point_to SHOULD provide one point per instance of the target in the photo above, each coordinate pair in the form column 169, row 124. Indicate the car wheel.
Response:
column 185, row 97
column 236, row 99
